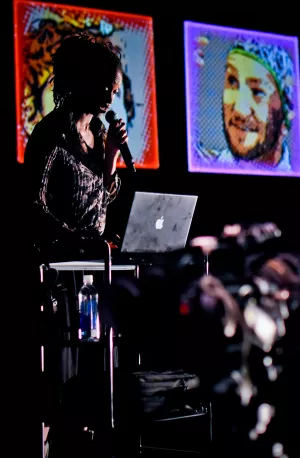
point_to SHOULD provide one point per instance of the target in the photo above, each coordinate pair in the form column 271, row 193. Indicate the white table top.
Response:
column 90, row 265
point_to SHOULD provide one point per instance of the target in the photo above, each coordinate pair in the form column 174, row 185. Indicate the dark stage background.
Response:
column 222, row 198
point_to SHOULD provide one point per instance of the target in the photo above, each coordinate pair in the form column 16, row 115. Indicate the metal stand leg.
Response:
column 110, row 336
column 110, row 361
column 137, row 271
column 210, row 424
column 206, row 264
column 42, row 364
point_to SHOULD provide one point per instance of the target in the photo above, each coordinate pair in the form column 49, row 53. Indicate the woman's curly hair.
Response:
column 77, row 58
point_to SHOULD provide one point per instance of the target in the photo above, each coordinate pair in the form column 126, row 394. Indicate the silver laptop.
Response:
column 158, row 223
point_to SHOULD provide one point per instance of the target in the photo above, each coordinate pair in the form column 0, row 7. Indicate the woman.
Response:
column 70, row 159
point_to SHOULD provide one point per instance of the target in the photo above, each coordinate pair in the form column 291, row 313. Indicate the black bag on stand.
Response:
column 163, row 394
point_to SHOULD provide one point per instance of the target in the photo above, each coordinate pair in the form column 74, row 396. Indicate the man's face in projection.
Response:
column 252, row 108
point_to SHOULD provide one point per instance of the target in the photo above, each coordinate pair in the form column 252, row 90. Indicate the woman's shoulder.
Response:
column 50, row 129
column 54, row 122
column 46, row 135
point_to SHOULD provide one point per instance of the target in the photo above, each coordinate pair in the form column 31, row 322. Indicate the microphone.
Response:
column 110, row 117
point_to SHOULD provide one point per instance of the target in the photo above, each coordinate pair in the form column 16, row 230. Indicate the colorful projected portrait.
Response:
column 242, row 101
column 40, row 28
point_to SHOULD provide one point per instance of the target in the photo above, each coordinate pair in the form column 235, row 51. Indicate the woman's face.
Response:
column 98, row 94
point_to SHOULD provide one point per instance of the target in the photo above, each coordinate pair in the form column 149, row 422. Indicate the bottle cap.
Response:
column 88, row 279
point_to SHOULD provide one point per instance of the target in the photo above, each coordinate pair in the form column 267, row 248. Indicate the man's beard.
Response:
column 272, row 135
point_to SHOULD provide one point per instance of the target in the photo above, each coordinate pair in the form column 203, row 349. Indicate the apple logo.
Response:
column 159, row 223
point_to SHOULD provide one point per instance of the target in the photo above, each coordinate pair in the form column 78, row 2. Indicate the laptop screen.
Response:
column 158, row 223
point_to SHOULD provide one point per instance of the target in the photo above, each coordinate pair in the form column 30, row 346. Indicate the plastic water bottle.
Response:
column 89, row 323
